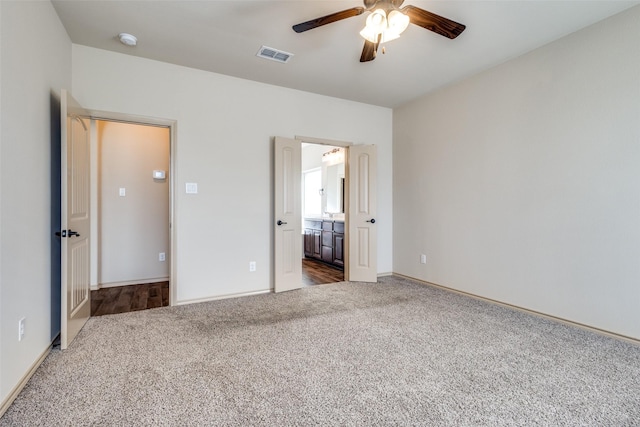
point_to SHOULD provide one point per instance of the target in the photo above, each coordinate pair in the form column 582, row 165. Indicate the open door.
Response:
column 287, row 215
column 362, row 237
column 75, row 222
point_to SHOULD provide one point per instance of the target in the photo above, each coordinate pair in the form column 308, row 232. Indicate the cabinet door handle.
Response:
column 372, row 220
column 280, row 222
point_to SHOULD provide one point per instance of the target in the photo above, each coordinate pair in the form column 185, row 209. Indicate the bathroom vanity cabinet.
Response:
column 324, row 240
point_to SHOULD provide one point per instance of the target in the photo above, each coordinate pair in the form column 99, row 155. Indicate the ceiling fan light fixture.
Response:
column 382, row 28
column 369, row 35
column 377, row 21
column 387, row 36
column 398, row 22
column 385, row 22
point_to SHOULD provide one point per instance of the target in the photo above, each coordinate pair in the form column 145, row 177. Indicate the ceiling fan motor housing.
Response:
column 382, row 4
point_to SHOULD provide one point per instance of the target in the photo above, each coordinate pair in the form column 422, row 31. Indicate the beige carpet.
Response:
column 392, row 353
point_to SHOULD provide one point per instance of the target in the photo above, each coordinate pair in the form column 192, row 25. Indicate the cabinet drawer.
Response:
column 338, row 227
column 315, row 225
column 327, row 225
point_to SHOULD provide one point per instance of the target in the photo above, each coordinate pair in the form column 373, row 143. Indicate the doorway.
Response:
column 323, row 213
column 359, row 250
column 133, row 244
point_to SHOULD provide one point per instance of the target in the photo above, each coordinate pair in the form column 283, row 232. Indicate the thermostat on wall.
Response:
column 159, row 175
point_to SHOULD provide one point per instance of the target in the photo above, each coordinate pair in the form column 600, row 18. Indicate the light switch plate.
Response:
column 123, row 192
column 192, row 188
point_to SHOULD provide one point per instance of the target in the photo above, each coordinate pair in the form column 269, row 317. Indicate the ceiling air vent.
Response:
column 274, row 54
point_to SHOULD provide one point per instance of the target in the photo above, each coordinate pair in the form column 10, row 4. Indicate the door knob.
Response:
column 280, row 222
column 67, row 233
column 372, row 220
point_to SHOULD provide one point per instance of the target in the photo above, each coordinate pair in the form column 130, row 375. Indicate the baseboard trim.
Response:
column 385, row 274
column 129, row 282
column 6, row 403
column 220, row 297
column 526, row 310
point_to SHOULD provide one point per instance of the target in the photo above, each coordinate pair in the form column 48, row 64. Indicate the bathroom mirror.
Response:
column 333, row 185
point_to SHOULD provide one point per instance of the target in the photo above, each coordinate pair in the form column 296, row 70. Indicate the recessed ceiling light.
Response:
column 128, row 39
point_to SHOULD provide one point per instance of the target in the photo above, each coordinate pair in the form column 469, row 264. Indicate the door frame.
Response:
column 345, row 145
column 145, row 121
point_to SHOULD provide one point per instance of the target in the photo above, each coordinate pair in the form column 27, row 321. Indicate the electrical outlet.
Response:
column 161, row 256
column 21, row 323
column 252, row 266
column 423, row 259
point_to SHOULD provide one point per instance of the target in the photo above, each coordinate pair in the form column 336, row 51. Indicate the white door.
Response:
column 287, row 215
column 362, row 237
column 75, row 223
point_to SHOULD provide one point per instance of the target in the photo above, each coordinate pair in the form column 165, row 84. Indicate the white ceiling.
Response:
column 224, row 37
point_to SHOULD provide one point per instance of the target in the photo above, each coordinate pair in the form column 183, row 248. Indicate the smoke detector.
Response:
column 128, row 39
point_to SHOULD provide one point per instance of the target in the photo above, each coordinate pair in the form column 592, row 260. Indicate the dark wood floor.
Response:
column 318, row 273
column 123, row 299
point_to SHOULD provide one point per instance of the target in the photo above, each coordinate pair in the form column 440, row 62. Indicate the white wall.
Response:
column 134, row 229
column 522, row 184
column 312, row 156
column 36, row 62
column 224, row 144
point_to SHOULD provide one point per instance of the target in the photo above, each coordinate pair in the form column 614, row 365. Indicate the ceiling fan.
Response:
column 386, row 22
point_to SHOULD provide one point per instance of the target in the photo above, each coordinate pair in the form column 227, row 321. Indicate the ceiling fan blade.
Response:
column 431, row 21
column 318, row 22
column 369, row 51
